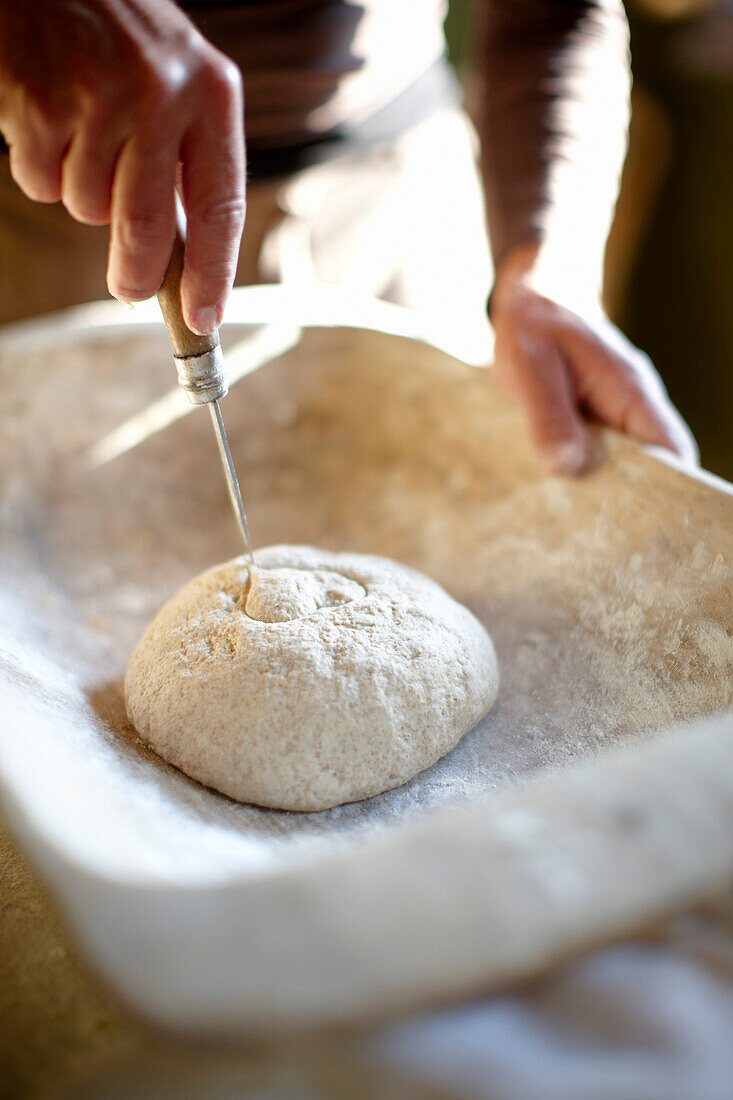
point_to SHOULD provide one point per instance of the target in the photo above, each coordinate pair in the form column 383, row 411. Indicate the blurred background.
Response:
column 669, row 272
column 669, row 279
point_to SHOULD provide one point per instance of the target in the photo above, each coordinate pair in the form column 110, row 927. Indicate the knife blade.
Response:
column 200, row 368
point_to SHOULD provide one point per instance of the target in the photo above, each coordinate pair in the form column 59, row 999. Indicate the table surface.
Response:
column 649, row 1019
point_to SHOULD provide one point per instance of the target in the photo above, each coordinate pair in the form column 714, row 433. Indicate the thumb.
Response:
column 542, row 381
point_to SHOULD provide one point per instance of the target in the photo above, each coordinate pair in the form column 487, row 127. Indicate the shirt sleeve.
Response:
column 553, row 116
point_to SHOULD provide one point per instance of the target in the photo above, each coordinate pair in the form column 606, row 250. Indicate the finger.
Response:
column 654, row 419
column 143, row 219
column 37, row 142
column 213, row 192
column 541, row 380
column 36, row 168
column 621, row 388
column 87, row 173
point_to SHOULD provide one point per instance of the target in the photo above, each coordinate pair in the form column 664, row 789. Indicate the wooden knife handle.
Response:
column 198, row 359
column 185, row 343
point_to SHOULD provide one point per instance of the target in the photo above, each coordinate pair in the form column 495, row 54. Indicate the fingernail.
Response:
column 205, row 321
column 567, row 456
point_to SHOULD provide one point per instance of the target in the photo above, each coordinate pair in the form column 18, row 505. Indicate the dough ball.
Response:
column 311, row 679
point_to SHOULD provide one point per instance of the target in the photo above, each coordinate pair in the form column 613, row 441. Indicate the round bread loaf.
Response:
column 310, row 679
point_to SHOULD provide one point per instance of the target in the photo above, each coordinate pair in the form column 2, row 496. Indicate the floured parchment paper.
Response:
column 608, row 599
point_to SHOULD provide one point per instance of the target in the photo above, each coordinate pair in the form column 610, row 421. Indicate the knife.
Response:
column 200, row 366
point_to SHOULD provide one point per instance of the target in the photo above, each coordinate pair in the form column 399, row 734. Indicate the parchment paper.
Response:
column 609, row 598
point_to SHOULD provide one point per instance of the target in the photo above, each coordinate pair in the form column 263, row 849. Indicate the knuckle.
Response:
column 46, row 126
column 39, row 182
column 138, row 232
column 158, row 89
column 87, row 167
column 78, row 206
column 40, row 190
column 223, row 215
column 86, row 188
column 49, row 120
column 217, row 275
column 108, row 114
column 162, row 80
column 224, row 78
column 88, row 212
column 96, row 92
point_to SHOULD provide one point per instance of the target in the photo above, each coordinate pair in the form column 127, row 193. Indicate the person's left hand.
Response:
column 567, row 367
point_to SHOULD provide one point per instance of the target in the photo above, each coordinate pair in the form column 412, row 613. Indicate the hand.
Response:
column 567, row 367
column 106, row 104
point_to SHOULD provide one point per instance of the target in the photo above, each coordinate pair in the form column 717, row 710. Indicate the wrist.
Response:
column 514, row 273
column 546, row 270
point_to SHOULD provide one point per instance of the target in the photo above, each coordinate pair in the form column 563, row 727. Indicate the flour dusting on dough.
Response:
column 310, row 680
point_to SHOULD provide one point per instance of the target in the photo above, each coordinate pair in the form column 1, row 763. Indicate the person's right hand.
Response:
column 102, row 103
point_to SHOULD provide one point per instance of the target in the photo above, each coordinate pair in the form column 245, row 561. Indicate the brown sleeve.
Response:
column 553, row 120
